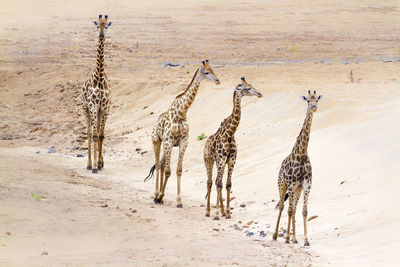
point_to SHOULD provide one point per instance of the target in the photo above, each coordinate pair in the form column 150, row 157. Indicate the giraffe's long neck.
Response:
column 302, row 140
column 99, row 72
column 187, row 97
column 236, row 112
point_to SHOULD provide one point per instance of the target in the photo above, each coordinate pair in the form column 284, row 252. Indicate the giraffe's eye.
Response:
column 206, row 73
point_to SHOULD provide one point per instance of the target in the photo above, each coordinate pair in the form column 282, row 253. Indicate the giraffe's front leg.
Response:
column 296, row 199
column 306, row 189
column 182, row 148
column 95, row 132
column 218, row 183
column 231, row 164
column 156, row 148
column 90, row 136
column 209, row 166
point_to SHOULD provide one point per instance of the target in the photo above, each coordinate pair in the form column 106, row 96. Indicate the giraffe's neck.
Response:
column 236, row 112
column 302, row 140
column 99, row 72
column 186, row 99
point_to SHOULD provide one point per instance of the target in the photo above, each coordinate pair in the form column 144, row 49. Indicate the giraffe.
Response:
column 295, row 174
column 95, row 97
column 172, row 129
column 221, row 148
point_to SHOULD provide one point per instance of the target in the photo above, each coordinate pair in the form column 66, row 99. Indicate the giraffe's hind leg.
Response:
column 167, row 149
column 282, row 192
column 157, row 148
column 291, row 193
column 103, row 115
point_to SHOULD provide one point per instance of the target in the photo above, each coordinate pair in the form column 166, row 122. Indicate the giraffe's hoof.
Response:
column 179, row 206
column 228, row 216
column 294, row 241
column 306, row 243
column 99, row 167
column 158, row 201
column 274, row 237
column 94, row 171
column 89, row 167
column 223, row 214
column 216, row 218
column 287, row 241
column 207, row 214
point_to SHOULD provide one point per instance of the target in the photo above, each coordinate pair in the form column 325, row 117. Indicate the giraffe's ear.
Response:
column 95, row 24
column 109, row 24
column 304, row 98
column 319, row 97
column 203, row 62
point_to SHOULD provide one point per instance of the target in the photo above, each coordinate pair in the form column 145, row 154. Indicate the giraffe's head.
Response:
column 244, row 89
column 207, row 72
column 102, row 25
column 312, row 100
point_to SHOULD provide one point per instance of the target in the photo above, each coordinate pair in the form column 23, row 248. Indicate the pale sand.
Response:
column 48, row 51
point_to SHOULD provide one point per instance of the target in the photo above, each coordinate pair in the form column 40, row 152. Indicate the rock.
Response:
column 342, row 182
column 202, row 205
column 250, row 234
column 232, row 198
column 237, row 227
column 38, row 152
column 262, row 234
column 79, row 156
column 235, row 263
column 280, row 234
column 104, row 205
column 215, row 229
column 45, row 253
column 312, row 217
column 250, row 222
column 134, row 211
column 245, row 226
column 168, row 64
column 52, row 150
column 242, row 205
column 8, row 233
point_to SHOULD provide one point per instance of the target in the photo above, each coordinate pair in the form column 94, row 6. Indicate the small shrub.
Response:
column 201, row 137
column 37, row 197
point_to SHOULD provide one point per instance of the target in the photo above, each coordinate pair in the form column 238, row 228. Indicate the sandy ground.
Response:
column 283, row 49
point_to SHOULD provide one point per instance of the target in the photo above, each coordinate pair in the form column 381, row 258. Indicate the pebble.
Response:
column 280, row 234
column 104, row 206
column 134, row 211
column 250, row 222
column 242, row 205
column 38, row 152
column 262, row 234
column 52, row 149
column 250, row 234
column 45, row 253
column 79, row 156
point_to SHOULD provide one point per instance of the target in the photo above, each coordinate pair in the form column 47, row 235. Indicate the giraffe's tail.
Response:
column 151, row 173
column 286, row 197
